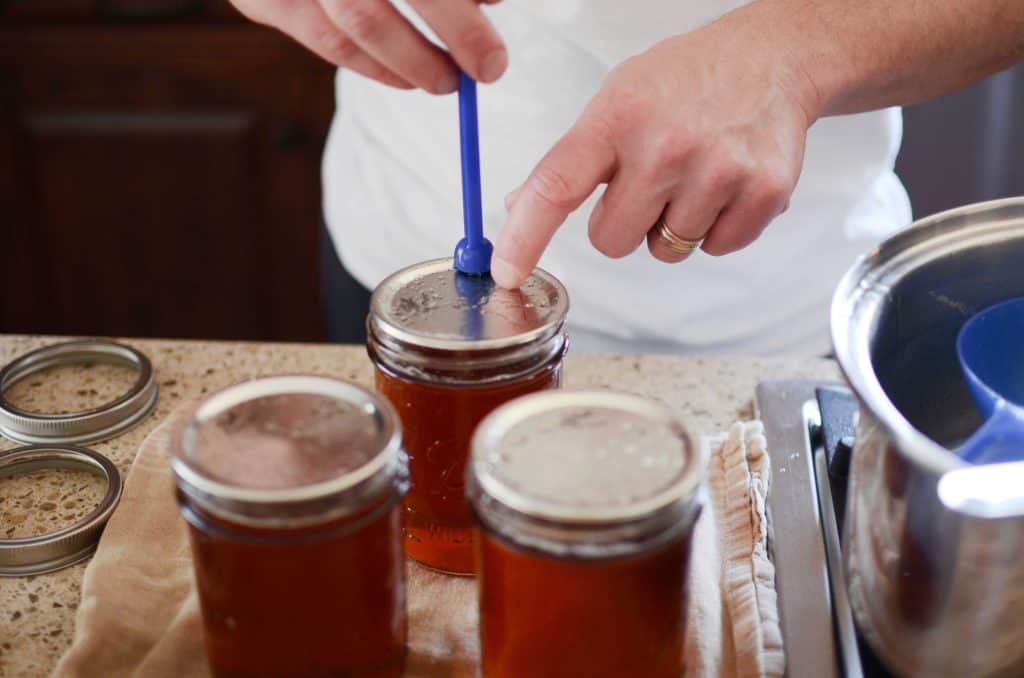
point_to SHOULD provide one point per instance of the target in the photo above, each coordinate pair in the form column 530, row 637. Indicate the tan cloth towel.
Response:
column 139, row 614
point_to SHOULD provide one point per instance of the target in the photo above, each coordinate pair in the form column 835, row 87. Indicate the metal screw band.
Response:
column 89, row 426
column 49, row 552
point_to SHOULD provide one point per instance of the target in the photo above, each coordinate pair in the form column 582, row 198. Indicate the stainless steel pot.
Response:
column 936, row 591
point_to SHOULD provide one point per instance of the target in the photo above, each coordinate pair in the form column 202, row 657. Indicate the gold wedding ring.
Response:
column 678, row 245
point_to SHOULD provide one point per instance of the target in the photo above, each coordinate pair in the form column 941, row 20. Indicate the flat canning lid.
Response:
column 432, row 306
column 24, row 556
column 288, row 450
column 585, row 458
column 89, row 426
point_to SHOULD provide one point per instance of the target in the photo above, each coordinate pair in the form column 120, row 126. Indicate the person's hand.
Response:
column 704, row 130
column 374, row 39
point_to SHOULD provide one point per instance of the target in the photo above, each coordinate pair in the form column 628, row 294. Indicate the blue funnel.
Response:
column 990, row 348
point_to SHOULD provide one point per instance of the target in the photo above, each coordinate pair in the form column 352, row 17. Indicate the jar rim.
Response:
column 197, row 484
column 385, row 326
column 680, row 492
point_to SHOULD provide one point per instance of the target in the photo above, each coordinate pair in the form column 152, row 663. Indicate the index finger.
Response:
column 564, row 178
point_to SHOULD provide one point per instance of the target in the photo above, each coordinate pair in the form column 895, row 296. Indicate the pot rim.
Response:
column 862, row 293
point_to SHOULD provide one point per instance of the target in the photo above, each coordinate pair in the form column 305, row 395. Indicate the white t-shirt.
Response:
column 392, row 191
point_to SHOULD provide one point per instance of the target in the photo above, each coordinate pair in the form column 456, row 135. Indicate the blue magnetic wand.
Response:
column 473, row 253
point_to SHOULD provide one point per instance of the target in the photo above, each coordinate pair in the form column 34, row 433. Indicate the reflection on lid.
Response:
column 475, row 293
column 588, row 457
column 284, row 441
column 433, row 301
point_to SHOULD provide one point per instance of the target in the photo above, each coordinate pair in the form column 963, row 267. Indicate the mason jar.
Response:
column 586, row 504
column 291, row 487
column 449, row 348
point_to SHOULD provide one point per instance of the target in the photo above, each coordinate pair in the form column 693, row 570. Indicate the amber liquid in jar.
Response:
column 585, row 504
column 323, row 601
column 545, row 616
column 438, row 422
column 291, row 487
column 448, row 349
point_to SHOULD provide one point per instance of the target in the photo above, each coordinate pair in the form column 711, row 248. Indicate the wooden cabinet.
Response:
column 159, row 171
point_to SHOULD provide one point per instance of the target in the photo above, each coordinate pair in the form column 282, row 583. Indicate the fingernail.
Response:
column 448, row 83
column 595, row 216
column 505, row 274
column 493, row 65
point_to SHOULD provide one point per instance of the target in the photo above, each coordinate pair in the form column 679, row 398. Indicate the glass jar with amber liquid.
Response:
column 448, row 349
column 586, row 504
column 291, row 487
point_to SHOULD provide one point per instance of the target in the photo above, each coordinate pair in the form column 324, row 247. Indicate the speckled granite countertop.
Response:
column 37, row 613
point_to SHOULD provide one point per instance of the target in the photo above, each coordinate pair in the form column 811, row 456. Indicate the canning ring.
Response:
column 88, row 426
column 24, row 556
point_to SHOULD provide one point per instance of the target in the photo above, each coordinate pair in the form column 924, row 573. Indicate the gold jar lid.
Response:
column 583, row 467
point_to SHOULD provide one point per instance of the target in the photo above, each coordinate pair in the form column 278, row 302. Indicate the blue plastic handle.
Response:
column 475, row 291
column 999, row 439
column 473, row 253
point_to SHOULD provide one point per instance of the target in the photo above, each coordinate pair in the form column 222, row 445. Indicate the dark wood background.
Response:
column 159, row 171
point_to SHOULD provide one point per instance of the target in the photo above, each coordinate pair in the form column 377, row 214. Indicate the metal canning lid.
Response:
column 44, row 553
column 285, row 448
column 89, row 426
column 585, row 457
column 432, row 306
